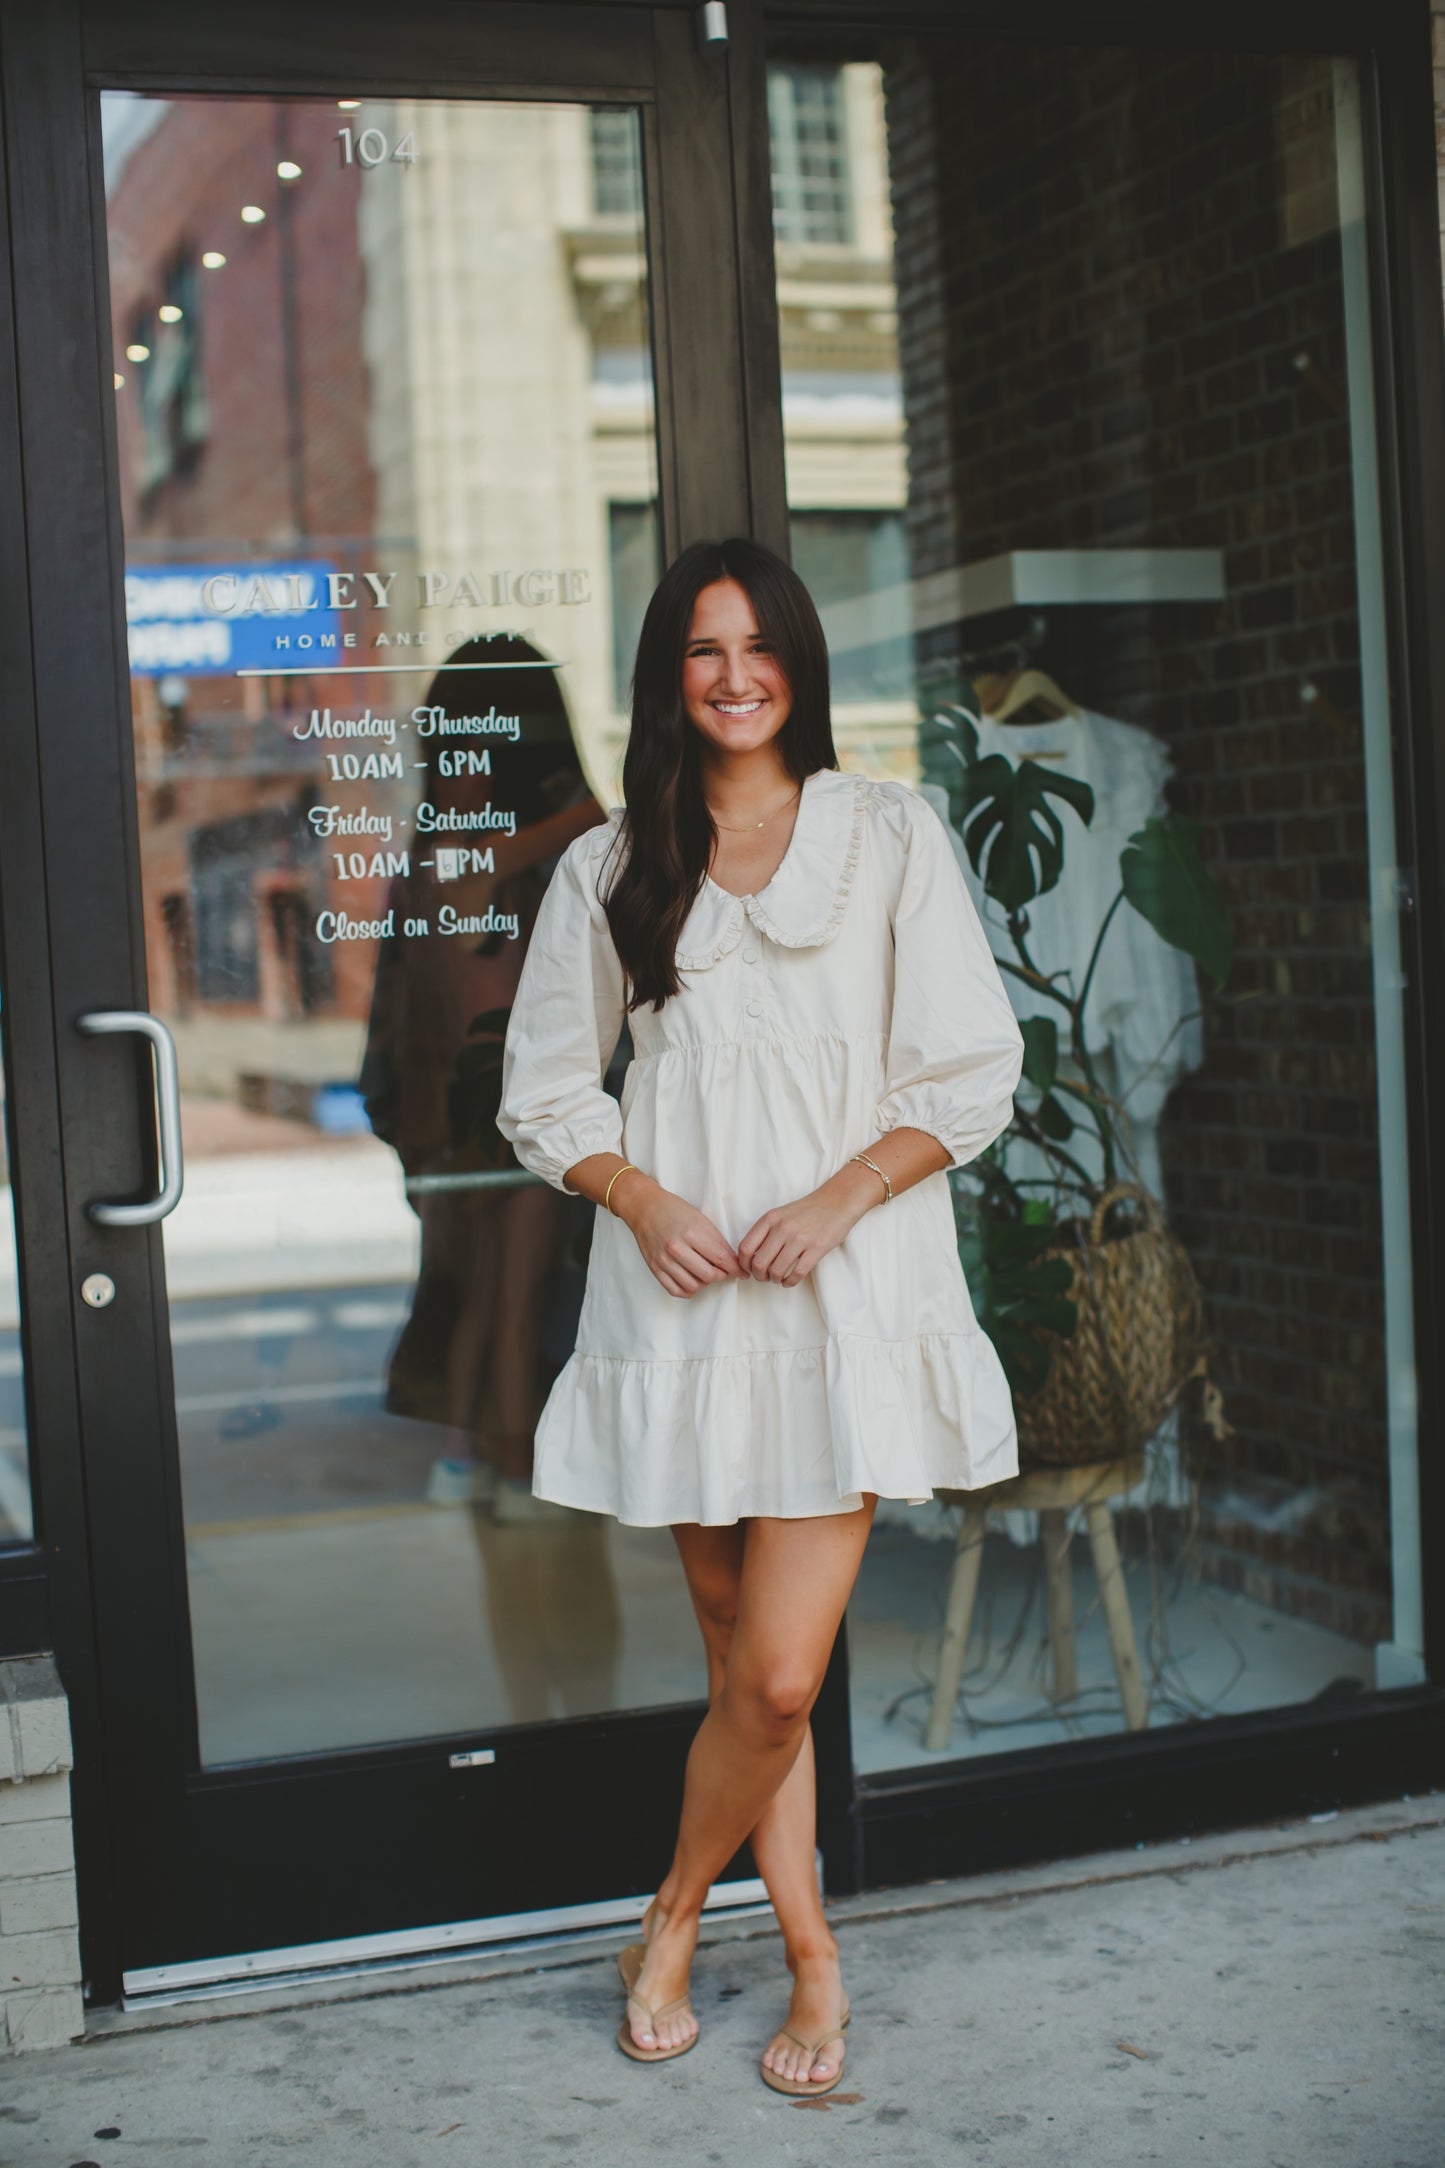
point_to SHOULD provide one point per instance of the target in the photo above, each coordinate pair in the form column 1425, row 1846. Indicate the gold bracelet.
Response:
column 863, row 1158
column 626, row 1168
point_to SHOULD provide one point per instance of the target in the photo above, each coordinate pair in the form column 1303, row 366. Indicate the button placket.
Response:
column 754, row 983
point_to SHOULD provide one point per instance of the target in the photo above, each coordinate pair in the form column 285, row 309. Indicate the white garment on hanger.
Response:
column 1144, row 996
column 1141, row 1021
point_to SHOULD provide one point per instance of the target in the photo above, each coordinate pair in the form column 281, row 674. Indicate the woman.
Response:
column 469, row 1355
column 776, row 1329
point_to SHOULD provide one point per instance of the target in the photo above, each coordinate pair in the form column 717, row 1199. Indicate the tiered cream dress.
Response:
column 855, row 993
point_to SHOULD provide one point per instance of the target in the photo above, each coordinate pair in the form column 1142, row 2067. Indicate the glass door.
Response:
column 390, row 373
column 387, row 466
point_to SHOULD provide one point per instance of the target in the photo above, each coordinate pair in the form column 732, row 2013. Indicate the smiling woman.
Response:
column 732, row 676
column 760, row 1356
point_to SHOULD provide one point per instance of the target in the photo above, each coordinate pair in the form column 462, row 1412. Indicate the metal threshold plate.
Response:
column 404, row 1950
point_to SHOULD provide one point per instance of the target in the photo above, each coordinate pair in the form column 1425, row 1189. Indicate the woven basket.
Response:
column 1140, row 1335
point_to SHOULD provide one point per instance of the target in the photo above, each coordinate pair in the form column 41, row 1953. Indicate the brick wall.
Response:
column 1121, row 322
column 40, row 1996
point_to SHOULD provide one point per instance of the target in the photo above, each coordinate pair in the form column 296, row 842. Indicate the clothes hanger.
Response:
column 1021, row 691
column 1030, row 685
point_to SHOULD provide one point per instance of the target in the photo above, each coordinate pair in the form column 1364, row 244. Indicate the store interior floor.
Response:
column 363, row 1624
column 332, row 1606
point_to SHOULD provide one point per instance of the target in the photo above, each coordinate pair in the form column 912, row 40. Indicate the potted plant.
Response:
column 1090, row 1300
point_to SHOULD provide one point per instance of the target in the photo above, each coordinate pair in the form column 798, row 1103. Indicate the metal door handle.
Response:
column 102, row 1022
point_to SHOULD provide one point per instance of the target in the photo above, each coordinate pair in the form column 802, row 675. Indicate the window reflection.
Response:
column 1084, row 452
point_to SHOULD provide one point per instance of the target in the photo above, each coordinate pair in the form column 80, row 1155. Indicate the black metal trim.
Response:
column 511, row 48
column 762, row 370
column 696, row 264
column 35, row 53
column 1411, row 385
column 1295, row 26
column 25, row 1623
column 1004, row 1811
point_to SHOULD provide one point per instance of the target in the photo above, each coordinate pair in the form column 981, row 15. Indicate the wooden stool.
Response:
column 1051, row 1491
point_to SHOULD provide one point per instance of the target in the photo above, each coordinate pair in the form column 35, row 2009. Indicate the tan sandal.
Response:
column 807, row 2088
column 629, row 1964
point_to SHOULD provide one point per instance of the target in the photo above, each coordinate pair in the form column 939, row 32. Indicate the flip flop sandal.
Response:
column 804, row 2088
column 629, row 1964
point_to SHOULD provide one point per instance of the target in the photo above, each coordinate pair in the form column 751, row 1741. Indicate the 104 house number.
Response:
column 372, row 148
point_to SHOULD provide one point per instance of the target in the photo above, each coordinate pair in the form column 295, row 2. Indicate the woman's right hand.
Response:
column 680, row 1246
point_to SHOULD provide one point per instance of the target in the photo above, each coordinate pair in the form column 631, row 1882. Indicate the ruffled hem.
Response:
column 789, row 1433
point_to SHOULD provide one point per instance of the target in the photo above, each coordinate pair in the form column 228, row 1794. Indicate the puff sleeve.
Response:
column 955, row 1051
column 565, row 1022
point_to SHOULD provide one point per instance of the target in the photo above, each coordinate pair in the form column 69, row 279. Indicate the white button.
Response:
column 755, row 1008
column 750, row 955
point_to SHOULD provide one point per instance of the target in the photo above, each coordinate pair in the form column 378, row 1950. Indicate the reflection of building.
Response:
column 842, row 405
column 384, row 372
column 239, row 426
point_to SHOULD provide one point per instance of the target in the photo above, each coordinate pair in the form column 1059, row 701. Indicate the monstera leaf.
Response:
column 1166, row 882
column 1014, row 838
column 1041, row 1051
column 1013, row 835
column 948, row 750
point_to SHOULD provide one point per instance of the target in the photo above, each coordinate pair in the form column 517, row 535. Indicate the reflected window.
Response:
column 811, row 201
column 616, row 166
column 165, row 351
column 632, row 551
column 846, row 558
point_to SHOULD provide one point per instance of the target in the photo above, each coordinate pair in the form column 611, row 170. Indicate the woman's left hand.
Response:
column 786, row 1243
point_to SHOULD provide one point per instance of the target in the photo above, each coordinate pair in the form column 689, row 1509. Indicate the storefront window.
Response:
column 16, row 1521
column 386, row 438
column 1080, row 455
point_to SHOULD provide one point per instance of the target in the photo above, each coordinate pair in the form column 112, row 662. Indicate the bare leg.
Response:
column 784, row 1839
column 794, row 1584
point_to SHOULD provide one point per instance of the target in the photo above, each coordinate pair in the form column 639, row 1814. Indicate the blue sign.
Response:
column 210, row 620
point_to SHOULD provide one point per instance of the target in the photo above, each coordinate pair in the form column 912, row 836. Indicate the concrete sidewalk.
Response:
column 1268, row 1999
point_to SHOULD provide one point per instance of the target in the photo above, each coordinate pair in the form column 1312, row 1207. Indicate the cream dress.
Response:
column 853, row 994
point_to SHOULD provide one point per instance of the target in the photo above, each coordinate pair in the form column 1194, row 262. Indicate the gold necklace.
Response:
column 753, row 826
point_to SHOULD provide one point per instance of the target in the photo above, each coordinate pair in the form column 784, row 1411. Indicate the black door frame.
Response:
column 1002, row 1810
column 81, row 1107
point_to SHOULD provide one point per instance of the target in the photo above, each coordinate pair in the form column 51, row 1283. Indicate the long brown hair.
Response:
column 667, row 834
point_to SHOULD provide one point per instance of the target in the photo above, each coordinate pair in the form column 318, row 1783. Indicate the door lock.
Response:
column 98, row 1289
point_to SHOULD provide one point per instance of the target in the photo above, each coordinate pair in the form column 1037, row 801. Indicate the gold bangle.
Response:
column 864, row 1160
column 626, row 1168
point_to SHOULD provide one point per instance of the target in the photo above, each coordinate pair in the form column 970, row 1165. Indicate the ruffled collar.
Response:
column 802, row 905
